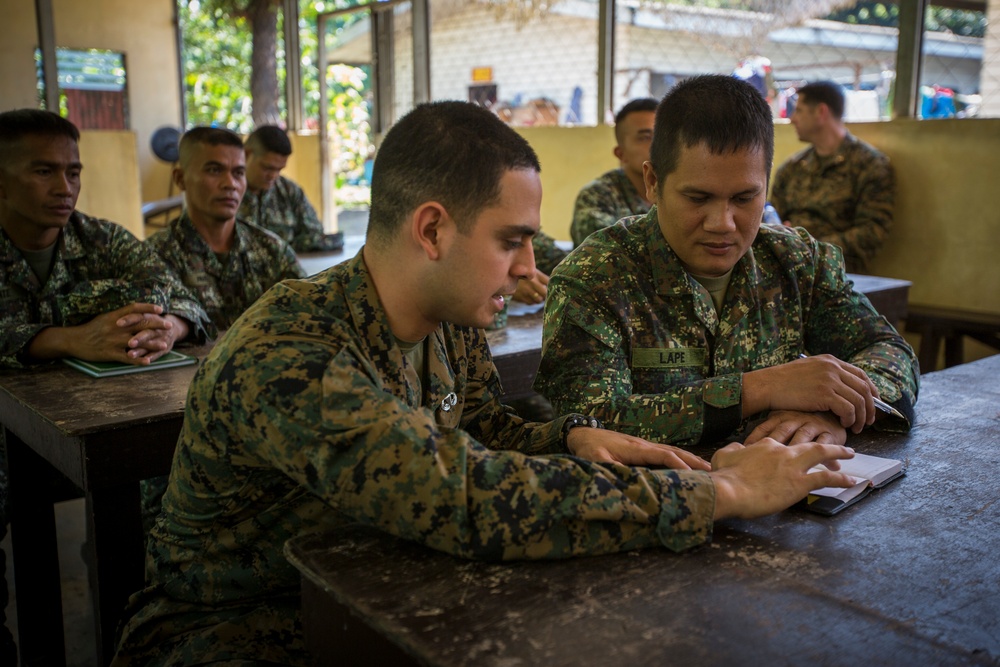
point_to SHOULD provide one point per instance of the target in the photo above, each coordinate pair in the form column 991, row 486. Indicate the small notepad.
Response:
column 870, row 472
column 103, row 369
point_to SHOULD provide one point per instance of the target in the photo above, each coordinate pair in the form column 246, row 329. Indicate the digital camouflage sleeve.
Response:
column 225, row 286
column 99, row 267
column 302, row 418
column 845, row 199
column 630, row 337
column 285, row 210
column 603, row 202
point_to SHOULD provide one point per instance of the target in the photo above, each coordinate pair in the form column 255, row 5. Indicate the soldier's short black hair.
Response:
column 723, row 112
column 829, row 93
column 22, row 122
column 455, row 153
column 211, row 136
column 638, row 104
column 269, row 139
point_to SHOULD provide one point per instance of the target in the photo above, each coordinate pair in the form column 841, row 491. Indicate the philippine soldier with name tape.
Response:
column 367, row 393
column 840, row 189
column 620, row 192
column 227, row 262
column 682, row 324
column 72, row 285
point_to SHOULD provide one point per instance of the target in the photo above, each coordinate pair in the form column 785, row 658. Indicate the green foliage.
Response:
column 217, row 50
column 216, row 60
column 939, row 19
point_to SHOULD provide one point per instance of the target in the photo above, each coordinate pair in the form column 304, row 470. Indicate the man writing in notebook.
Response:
column 368, row 394
column 685, row 323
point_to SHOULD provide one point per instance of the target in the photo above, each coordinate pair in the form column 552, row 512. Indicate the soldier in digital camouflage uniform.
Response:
column 679, row 325
column 368, row 394
column 225, row 261
column 840, row 189
column 620, row 192
column 70, row 284
column 275, row 202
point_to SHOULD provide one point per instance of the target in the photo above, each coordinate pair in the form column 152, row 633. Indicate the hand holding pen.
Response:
column 879, row 403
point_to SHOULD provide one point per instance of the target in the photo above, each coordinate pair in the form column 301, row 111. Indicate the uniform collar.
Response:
column 370, row 320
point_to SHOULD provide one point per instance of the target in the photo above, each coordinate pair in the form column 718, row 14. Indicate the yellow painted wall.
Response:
column 570, row 157
column 143, row 31
column 304, row 167
column 110, row 179
column 17, row 55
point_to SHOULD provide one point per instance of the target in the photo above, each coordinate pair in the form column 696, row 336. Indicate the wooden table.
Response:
column 910, row 575
column 100, row 436
column 889, row 296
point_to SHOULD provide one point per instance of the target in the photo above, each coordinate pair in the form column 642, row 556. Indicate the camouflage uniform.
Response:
column 631, row 337
column 284, row 210
column 302, row 418
column 256, row 260
column 547, row 253
column 99, row 267
column 845, row 199
column 603, row 202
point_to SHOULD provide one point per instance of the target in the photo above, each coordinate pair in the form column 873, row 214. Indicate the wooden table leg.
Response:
column 37, row 582
column 116, row 553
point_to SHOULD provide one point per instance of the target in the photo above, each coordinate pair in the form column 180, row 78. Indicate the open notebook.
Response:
column 102, row 369
column 870, row 472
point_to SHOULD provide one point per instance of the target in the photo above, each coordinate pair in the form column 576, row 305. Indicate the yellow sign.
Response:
column 482, row 74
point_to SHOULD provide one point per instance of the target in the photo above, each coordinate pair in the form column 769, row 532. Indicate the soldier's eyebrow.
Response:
column 517, row 230
column 54, row 164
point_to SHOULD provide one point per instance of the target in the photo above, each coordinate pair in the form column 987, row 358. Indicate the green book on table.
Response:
column 103, row 369
column 870, row 472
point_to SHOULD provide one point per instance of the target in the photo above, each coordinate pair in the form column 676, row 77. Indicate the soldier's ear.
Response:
column 429, row 223
column 178, row 176
column 649, row 178
column 618, row 152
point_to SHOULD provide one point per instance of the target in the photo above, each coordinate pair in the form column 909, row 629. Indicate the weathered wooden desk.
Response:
column 889, row 296
column 103, row 436
column 910, row 575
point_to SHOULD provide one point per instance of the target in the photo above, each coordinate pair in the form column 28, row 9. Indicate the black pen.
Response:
column 879, row 403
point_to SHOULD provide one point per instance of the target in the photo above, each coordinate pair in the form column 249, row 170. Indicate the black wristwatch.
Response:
column 578, row 420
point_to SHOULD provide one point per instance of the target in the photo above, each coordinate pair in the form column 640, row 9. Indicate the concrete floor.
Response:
column 77, row 619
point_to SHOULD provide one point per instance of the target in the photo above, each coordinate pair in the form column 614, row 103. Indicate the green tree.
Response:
column 221, row 63
column 969, row 23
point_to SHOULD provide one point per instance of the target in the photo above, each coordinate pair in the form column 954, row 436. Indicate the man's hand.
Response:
column 792, row 427
column 135, row 334
column 532, row 290
column 767, row 477
column 153, row 335
column 603, row 446
column 821, row 383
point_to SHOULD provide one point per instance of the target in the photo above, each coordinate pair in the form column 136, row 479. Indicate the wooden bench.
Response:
column 951, row 325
